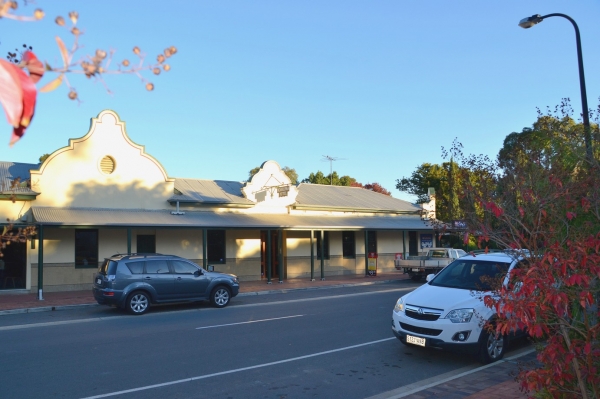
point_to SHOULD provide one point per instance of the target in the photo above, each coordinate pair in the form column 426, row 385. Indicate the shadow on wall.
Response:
column 133, row 196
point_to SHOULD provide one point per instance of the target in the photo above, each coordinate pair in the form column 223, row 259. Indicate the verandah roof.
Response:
column 221, row 220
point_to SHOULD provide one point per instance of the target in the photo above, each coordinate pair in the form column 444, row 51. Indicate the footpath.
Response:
column 493, row 381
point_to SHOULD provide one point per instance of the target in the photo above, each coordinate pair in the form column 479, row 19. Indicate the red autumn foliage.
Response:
column 550, row 207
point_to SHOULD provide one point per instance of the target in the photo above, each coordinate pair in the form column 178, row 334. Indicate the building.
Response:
column 103, row 194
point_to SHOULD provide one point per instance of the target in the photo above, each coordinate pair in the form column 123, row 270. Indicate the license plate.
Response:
column 415, row 340
column 99, row 281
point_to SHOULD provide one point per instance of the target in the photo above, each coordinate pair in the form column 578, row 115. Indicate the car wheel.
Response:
column 220, row 297
column 491, row 347
column 416, row 277
column 138, row 303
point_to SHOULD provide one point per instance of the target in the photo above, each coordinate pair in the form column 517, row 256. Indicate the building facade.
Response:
column 103, row 194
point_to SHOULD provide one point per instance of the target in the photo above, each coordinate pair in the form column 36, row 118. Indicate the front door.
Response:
column 13, row 268
column 264, row 270
column 413, row 248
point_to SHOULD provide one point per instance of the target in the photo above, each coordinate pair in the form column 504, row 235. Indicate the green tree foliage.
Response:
column 44, row 157
column 290, row 172
column 443, row 179
column 331, row 179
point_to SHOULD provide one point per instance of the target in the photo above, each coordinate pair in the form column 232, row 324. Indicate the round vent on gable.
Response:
column 107, row 165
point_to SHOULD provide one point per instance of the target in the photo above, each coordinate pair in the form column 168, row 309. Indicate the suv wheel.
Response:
column 220, row 297
column 138, row 303
column 491, row 347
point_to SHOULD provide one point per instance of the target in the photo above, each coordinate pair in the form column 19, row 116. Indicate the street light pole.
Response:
column 527, row 23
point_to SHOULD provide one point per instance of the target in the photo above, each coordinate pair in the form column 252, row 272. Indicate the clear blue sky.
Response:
column 382, row 84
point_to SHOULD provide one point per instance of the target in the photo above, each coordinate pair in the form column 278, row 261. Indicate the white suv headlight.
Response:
column 399, row 305
column 460, row 315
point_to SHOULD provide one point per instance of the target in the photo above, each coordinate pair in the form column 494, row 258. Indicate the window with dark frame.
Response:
column 348, row 245
column 325, row 244
column 372, row 238
column 215, row 246
column 86, row 248
column 146, row 244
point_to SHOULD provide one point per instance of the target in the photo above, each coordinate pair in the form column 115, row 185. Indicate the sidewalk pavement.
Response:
column 494, row 381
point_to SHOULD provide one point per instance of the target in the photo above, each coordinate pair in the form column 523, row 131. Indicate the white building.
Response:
column 103, row 194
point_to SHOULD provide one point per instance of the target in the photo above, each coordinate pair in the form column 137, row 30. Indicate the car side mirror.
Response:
column 198, row 273
column 429, row 277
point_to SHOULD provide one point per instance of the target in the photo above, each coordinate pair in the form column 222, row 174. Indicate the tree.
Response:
column 542, row 194
column 19, row 93
column 290, row 172
column 440, row 177
column 332, row 179
column 376, row 187
column 44, row 157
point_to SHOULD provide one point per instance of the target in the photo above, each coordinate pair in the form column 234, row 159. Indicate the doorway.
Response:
column 264, row 271
column 413, row 248
column 13, row 266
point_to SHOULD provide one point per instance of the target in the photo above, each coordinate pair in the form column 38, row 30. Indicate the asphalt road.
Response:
column 309, row 344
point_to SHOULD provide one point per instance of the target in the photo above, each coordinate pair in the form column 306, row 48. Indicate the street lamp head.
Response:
column 528, row 22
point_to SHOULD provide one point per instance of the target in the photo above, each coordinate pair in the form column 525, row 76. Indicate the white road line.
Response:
column 202, row 377
column 248, row 322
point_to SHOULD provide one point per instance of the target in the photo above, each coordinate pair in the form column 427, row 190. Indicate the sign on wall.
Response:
column 426, row 241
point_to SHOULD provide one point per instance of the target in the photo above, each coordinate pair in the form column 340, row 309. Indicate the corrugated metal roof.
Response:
column 210, row 192
column 199, row 219
column 350, row 197
column 9, row 171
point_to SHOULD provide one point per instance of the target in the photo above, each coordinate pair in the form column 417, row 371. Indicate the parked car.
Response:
column 448, row 311
column 417, row 267
column 136, row 281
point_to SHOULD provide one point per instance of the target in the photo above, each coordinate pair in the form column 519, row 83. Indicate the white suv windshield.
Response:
column 472, row 274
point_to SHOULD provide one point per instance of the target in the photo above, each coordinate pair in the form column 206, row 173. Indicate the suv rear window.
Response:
column 108, row 267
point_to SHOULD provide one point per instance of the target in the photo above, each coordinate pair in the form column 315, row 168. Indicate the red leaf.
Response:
column 571, row 215
column 11, row 95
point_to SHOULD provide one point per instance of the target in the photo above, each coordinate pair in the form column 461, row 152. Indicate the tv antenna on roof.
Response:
column 331, row 159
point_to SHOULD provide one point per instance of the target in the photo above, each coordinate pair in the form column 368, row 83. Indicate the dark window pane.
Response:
column 136, row 267
column 86, row 248
column 325, row 244
column 157, row 267
column 146, row 244
column 348, row 244
column 215, row 246
column 372, row 237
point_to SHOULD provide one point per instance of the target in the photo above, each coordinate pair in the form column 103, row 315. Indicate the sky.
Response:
column 381, row 86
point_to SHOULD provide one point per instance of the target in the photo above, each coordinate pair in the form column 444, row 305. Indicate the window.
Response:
column 372, row 238
column 157, row 267
column 215, row 246
column 181, row 267
column 146, row 244
column 86, row 248
column 325, row 244
column 348, row 244
column 136, row 267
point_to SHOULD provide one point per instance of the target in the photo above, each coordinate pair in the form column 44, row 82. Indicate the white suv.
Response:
column 448, row 311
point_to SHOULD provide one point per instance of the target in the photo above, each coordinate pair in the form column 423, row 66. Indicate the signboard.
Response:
column 372, row 264
column 426, row 241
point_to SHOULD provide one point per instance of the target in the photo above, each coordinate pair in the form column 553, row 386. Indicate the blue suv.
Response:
column 135, row 281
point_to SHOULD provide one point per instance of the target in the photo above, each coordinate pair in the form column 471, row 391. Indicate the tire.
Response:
column 220, row 296
column 416, row 277
column 491, row 347
column 138, row 303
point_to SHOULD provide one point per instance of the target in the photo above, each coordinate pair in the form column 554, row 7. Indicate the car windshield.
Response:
column 471, row 274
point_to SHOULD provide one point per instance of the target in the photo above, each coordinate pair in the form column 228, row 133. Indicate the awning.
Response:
column 97, row 217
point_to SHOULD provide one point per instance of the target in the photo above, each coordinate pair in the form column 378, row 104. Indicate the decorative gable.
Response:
column 104, row 169
column 270, row 186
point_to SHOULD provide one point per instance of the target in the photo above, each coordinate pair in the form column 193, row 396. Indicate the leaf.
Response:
column 11, row 95
column 63, row 51
column 52, row 85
